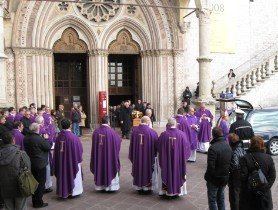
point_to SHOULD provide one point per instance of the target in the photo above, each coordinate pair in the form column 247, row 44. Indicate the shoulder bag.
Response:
column 26, row 182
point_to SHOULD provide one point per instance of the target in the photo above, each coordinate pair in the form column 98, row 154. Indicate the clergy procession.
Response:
column 159, row 162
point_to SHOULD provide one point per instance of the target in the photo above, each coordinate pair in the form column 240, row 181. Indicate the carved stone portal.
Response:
column 70, row 42
column 124, row 44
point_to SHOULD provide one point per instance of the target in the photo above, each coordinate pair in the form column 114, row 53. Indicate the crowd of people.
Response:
column 158, row 161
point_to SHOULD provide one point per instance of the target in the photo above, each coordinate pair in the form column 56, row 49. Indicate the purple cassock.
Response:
column 192, row 119
column 183, row 125
column 225, row 129
column 33, row 117
column 18, row 138
column 105, row 162
column 10, row 118
column 49, row 126
column 67, row 155
column 174, row 150
column 142, row 153
column 204, row 134
column 18, row 117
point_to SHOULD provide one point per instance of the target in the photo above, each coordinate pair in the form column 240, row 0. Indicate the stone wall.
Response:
column 255, row 31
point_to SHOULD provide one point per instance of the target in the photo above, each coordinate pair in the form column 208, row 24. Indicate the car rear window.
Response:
column 264, row 121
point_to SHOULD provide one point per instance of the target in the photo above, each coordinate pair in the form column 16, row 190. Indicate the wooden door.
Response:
column 70, row 76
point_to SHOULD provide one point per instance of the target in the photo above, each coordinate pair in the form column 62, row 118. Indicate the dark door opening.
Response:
column 124, row 78
column 70, row 76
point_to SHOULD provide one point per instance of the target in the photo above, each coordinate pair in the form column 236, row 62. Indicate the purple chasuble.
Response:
column 183, row 125
column 49, row 125
column 18, row 117
column 10, row 118
column 105, row 162
column 174, row 150
column 192, row 119
column 33, row 117
column 18, row 138
column 142, row 153
column 67, row 155
column 225, row 129
column 204, row 134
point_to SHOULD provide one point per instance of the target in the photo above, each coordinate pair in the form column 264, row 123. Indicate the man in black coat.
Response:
column 217, row 173
column 126, row 120
column 26, row 121
column 3, row 128
column 37, row 148
column 242, row 127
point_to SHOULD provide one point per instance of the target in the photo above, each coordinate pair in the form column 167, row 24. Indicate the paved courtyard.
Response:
column 127, row 198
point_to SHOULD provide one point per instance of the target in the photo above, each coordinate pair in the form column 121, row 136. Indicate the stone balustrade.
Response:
column 244, row 83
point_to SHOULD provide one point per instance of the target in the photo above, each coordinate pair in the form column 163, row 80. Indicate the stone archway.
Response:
column 70, row 42
column 124, row 44
column 124, row 69
column 71, row 71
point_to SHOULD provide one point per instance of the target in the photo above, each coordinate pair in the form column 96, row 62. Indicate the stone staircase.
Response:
column 256, row 70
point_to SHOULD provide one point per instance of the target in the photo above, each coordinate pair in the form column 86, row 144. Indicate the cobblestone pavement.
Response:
column 127, row 198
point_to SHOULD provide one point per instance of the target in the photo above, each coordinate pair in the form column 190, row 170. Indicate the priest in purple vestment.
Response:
column 173, row 152
column 205, row 121
column 142, row 154
column 182, row 123
column 193, row 123
column 67, row 162
column 20, row 114
column 17, row 132
column 49, row 124
column 105, row 162
column 222, row 123
column 12, row 114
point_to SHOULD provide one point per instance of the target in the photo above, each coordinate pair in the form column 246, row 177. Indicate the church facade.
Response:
column 62, row 52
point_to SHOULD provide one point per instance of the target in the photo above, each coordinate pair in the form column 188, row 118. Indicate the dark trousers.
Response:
column 40, row 176
column 80, row 130
column 234, row 197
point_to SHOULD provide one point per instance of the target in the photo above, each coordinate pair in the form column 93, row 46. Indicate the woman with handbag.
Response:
column 10, row 155
column 256, row 159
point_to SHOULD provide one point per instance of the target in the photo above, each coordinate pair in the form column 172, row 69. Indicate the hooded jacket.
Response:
column 9, row 169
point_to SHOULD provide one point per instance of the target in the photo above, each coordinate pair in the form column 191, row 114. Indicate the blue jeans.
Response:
column 216, row 199
column 75, row 128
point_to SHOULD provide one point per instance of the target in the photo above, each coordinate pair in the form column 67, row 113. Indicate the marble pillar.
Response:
column 98, row 81
column 204, row 59
column 3, row 57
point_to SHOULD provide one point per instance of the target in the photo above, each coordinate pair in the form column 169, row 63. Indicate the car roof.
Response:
column 242, row 104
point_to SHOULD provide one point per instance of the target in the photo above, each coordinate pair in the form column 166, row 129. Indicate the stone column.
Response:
column 204, row 59
column 98, row 80
column 205, row 81
column 3, row 57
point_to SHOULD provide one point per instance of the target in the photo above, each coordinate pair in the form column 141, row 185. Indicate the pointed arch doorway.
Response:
column 70, row 72
column 124, row 69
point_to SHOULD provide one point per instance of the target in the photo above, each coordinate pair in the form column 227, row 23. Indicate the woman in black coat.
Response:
column 250, row 200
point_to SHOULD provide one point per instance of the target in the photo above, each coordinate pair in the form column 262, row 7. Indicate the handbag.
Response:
column 26, row 182
column 257, row 182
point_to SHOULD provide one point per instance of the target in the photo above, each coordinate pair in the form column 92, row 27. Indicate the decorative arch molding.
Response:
column 70, row 42
column 124, row 44
column 133, row 28
column 57, row 27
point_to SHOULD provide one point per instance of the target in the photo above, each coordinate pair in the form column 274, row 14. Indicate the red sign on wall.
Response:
column 102, row 105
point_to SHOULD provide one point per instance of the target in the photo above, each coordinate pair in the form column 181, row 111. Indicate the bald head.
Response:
column 145, row 120
column 172, row 122
column 34, row 127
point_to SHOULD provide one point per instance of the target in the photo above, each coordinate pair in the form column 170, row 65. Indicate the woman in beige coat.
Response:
column 83, row 118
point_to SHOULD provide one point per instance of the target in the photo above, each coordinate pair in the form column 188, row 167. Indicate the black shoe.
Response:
column 41, row 206
column 48, row 190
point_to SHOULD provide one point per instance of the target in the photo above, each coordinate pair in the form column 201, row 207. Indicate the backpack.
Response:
column 257, row 182
column 26, row 182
